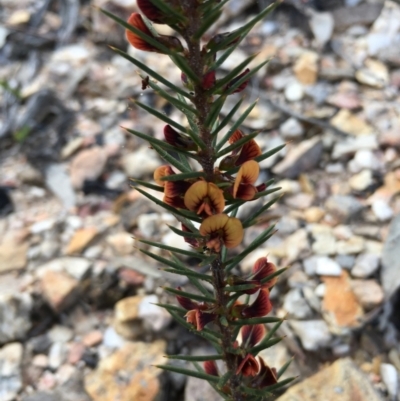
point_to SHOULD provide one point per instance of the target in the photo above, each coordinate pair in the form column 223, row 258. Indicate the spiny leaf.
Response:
column 173, row 249
column 189, row 295
column 147, row 185
column 228, row 117
column 261, row 238
column 170, row 11
column 242, row 32
column 194, row 274
column 234, row 127
column 171, row 99
column 151, row 72
column 183, row 65
column 246, row 77
column 249, row 221
column 185, row 233
column 269, row 389
column 161, row 259
column 196, row 358
column 267, row 192
column 255, row 350
column 170, row 159
column 160, row 116
column 183, row 213
column 215, row 110
column 193, row 373
column 273, row 275
column 232, row 74
column 284, row 368
column 238, row 288
column 237, row 144
column 209, row 19
column 192, row 279
column 172, row 307
column 157, row 142
column 183, row 176
column 255, row 320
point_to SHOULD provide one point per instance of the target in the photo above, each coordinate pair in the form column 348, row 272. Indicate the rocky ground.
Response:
column 77, row 314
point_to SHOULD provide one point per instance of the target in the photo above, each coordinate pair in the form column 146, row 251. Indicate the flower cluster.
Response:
column 228, row 309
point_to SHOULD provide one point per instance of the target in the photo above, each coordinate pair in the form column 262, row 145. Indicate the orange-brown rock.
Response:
column 128, row 374
column 342, row 381
column 81, row 239
column 340, row 306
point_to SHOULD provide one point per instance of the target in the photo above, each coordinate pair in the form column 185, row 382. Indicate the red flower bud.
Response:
column 152, row 12
column 210, row 367
column 208, row 80
column 242, row 86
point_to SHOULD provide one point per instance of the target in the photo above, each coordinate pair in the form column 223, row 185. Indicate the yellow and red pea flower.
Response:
column 259, row 308
column 249, row 151
column 174, row 191
column 252, row 334
column 204, row 198
column 266, row 376
column 174, row 138
column 247, row 175
column 248, row 366
column 197, row 314
column 220, row 229
column 136, row 20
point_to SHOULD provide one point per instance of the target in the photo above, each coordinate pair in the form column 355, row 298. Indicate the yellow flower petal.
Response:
column 161, row 172
column 204, row 198
column 247, row 174
column 233, row 232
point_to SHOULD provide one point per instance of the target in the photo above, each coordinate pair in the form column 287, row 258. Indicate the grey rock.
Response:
column 41, row 396
column 390, row 379
column 141, row 163
column 57, row 355
column 366, row 264
column 327, row 267
column 296, row 305
column 313, row 334
column 58, row 181
column 10, row 371
column 300, row 158
column 291, row 129
column 390, row 276
column 345, row 261
column 362, row 14
column 343, row 206
column 154, row 316
column 14, row 316
column 60, row 334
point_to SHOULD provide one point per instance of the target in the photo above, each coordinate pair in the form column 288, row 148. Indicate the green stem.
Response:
column 207, row 158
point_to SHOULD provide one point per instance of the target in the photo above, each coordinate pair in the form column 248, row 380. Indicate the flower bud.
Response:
column 136, row 41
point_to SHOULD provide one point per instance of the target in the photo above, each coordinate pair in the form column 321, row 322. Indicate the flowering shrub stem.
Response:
column 234, row 315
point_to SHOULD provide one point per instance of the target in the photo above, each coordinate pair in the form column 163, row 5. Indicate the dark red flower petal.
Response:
column 260, row 307
column 174, row 138
column 252, row 335
column 186, row 303
column 191, row 241
column 210, row 367
column 208, row 80
column 203, row 318
column 242, row 86
column 152, row 12
column 261, row 269
column 266, row 377
column 248, row 366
